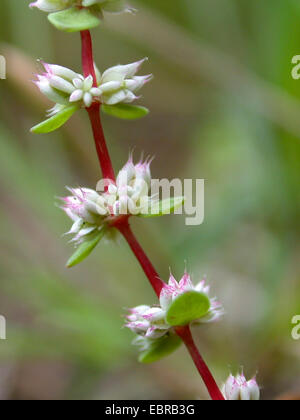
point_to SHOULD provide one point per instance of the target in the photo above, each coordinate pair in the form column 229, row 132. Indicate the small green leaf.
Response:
column 55, row 122
column 74, row 20
column 187, row 308
column 160, row 348
column 125, row 111
column 84, row 250
column 163, row 207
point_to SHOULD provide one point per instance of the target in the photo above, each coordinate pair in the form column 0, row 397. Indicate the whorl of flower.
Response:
column 89, row 209
column 174, row 289
column 63, row 86
column 100, row 6
column 120, row 83
column 149, row 323
column 238, row 388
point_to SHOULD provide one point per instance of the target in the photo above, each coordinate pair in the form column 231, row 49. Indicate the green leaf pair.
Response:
column 74, row 19
column 123, row 111
column 84, row 250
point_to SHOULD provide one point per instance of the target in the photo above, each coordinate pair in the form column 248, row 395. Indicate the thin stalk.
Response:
column 100, row 143
column 138, row 251
column 94, row 110
column 88, row 56
column 185, row 334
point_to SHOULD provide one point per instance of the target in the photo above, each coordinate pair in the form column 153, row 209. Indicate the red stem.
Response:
column 138, row 251
column 123, row 225
column 102, row 151
column 87, row 56
column 185, row 334
column 94, row 109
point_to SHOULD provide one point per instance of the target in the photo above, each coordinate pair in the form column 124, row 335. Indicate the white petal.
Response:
column 61, row 84
column 76, row 226
column 122, row 72
column 96, row 92
column 88, row 99
column 86, row 231
column 78, row 83
column 114, row 98
column 44, row 86
column 154, row 314
column 155, row 333
column 254, row 390
column 130, row 97
column 60, row 71
column 88, row 83
column 77, row 95
column 165, row 297
column 110, row 86
column 245, row 393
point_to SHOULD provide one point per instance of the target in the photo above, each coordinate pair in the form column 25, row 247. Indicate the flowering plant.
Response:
column 160, row 328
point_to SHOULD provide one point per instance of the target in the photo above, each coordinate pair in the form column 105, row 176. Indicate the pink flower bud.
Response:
column 238, row 389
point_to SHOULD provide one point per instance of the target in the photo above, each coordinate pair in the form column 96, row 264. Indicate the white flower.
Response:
column 90, row 210
column 109, row 6
column 116, row 85
column 238, row 388
column 84, row 91
column 147, row 322
column 98, row 6
column 50, row 6
column 120, row 83
column 63, row 86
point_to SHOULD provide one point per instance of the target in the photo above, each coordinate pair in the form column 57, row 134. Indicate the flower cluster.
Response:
column 118, row 84
column 100, row 6
column 89, row 210
column 150, row 322
column 238, row 388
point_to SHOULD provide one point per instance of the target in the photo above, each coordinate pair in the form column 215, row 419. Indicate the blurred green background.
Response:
column 224, row 107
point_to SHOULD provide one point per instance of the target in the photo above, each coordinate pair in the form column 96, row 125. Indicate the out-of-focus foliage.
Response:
column 224, row 107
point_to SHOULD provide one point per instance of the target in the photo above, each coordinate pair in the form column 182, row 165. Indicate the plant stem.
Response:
column 123, row 224
column 138, row 251
column 102, row 151
column 185, row 334
column 94, row 109
column 87, row 56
